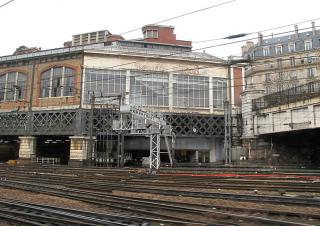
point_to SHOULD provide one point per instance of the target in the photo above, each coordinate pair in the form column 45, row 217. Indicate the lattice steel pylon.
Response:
column 155, row 151
column 227, row 132
column 137, row 121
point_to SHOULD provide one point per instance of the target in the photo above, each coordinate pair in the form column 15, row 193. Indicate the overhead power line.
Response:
column 182, row 15
column 6, row 3
column 253, row 32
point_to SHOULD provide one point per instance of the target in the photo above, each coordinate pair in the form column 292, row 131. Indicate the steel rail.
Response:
column 260, row 219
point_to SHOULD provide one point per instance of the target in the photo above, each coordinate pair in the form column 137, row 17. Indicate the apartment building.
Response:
column 281, row 91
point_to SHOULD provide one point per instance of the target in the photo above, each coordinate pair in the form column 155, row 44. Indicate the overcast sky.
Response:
column 49, row 23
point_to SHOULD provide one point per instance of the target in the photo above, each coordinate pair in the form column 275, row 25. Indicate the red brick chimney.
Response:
column 162, row 34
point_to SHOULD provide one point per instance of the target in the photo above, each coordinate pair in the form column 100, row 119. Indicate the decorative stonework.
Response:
column 79, row 148
column 28, row 146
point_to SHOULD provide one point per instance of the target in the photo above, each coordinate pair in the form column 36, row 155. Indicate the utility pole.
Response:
column 30, row 119
column 90, row 144
column 228, row 112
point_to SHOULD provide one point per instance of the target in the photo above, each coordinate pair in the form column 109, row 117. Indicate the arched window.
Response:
column 57, row 82
column 12, row 86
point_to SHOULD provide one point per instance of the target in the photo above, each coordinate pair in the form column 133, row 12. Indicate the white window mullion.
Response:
column 50, row 82
column 15, row 88
column 62, row 84
column 5, row 87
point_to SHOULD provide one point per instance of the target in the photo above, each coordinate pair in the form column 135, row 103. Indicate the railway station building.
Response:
column 52, row 102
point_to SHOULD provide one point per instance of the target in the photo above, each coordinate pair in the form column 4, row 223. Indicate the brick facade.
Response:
column 165, row 35
column 238, row 85
column 39, row 68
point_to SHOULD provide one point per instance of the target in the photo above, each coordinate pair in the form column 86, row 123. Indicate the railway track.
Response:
column 265, row 184
column 109, row 187
column 159, row 209
column 96, row 187
column 36, row 214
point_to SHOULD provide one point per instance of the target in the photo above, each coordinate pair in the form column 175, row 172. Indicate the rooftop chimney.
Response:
column 313, row 25
column 246, row 47
column 260, row 38
column 296, row 31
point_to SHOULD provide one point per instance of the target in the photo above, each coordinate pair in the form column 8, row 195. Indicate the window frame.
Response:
column 268, row 77
column 311, row 72
column 308, row 45
column 48, row 88
column 266, row 51
column 291, row 44
column 292, row 61
column 103, row 82
column 219, row 85
column 279, row 50
column 149, row 88
column 190, row 91
column 18, row 91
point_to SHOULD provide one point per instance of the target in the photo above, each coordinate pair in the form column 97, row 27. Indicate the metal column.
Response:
column 154, row 151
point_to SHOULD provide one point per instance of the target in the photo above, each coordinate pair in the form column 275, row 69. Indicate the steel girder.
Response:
column 196, row 125
column 76, row 122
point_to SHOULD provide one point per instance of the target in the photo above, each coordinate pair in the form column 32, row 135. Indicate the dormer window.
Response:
column 150, row 34
column 308, row 45
column 292, row 47
column 266, row 51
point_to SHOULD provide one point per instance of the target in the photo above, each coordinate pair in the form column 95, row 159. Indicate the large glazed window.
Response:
column 104, row 83
column 190, row 91
column 149, row 88
column 219, row 89
column 57, row 82
column 12, row 86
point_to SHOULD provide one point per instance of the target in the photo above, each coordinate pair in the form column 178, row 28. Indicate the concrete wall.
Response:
column 291, row 117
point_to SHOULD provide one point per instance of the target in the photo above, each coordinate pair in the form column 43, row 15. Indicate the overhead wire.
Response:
column 260, row 31
column 209, row 47
column 183, row 15
column 6, row 3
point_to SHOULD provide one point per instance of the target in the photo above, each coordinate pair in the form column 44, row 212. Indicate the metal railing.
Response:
column 47, row 160
column 298, row 93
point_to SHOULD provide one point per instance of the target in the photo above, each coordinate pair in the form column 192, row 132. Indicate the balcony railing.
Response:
column 285, row 64
column 303, row 92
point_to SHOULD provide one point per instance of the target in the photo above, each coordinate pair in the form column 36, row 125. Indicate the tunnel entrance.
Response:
column 54, row 147
column 298, row 147
column 9, row 148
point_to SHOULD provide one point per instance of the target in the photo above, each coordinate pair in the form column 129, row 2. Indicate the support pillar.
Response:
column 196, row 156
column 28, row 147
column 78, row 150
column 212, row 151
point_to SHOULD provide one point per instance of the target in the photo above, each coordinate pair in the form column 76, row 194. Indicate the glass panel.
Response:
column 10, row 89
column 45, row 83
column 104, row 83
column 21, row 86
column 2, row 86
column 56, row 82
column 149, row 88
column 219, row 89
column 68, row 82
column 190, row 91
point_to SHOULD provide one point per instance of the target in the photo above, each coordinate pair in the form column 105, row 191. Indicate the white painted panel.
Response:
column 281, row 121
column 265, row 124
column 301, row 118
column 317, row 115
column 300, row 115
